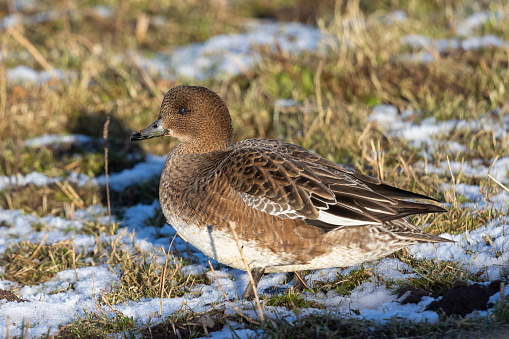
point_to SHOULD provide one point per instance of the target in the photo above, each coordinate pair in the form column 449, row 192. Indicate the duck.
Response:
column 285, row 208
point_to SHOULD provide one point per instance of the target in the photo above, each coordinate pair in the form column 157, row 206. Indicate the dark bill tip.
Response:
column 137, row 136
column 154, row 130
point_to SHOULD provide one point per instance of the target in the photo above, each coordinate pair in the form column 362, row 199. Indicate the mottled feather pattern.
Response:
column 293, row 209
column 269, row 175
column 304, row 184
column 212, row 201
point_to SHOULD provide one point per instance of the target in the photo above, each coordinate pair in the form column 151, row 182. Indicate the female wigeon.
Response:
column 293, row 209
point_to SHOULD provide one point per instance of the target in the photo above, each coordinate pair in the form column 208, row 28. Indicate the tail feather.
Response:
column 405, row 230
column 387, row 190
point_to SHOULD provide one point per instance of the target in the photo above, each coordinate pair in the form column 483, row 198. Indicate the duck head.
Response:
column 195, row 115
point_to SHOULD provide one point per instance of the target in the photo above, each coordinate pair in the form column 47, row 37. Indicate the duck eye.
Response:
column 182, row 110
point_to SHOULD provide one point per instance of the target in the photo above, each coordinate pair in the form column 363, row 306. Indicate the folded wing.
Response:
column 290, row 182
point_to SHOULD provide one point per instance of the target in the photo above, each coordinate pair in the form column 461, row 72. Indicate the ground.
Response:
column 412, row 92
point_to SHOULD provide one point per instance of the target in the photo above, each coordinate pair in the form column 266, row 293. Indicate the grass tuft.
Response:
column 141, row 278
column 29, row 264
column 94, row 325
column 290, row 300
column 345, row 283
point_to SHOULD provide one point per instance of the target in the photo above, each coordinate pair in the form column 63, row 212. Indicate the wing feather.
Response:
column 290, row 182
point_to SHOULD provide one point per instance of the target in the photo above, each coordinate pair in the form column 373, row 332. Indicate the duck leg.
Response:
column 257, row 273
column 299, row 284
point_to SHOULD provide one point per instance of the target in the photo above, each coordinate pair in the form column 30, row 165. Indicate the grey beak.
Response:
column 154, row 130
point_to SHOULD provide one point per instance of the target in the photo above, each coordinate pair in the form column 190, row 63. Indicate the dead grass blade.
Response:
column 38, row 247
column 502, row 292
column 163, row 280
column 75, row 199
column 232, row 226
column 105, row 136
column 97, row 304
column 3, row 79
column 26, row 329
column 498, row 182
column 32, row 50
column 242, row 315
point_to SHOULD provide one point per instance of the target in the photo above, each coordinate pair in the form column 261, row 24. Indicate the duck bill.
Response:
column 154, row 130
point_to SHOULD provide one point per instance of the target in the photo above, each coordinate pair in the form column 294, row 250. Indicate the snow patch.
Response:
column 57, row 139
column 233, row 54
column 27, row 74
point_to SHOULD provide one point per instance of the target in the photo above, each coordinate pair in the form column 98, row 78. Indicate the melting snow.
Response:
column 473, row 249
column 54, row 303
column 442, row 45
column 151, row 167
column 102, row 11
column 233, row 54
column 142, row 171
column 27, row 74
column 20, row 180
column 466, row 26
column 370, row 300
column 429, row 130
column 46, row 310
column 482, row 250
column 55, row 140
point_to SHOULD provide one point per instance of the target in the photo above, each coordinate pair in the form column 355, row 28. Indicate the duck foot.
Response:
column 299, row 283
column 257, row 274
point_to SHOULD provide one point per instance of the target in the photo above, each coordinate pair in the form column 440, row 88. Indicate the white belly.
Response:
column 221, row 246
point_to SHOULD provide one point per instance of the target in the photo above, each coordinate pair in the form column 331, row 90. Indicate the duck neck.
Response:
column 191, row 148
column 185, row 165
column 208, row 141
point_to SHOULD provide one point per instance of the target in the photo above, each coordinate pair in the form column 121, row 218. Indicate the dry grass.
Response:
column 28, row 264
column 51, row 199
column 142, row 279
column 94, row 325
column 333, row 91
column 332, row 326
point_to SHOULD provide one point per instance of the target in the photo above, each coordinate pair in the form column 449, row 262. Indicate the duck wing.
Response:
column 290, row 182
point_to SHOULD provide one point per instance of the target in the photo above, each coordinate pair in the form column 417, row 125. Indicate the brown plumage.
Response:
column 293, row 209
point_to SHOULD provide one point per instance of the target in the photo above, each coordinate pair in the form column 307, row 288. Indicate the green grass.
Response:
column 437, row 278
column 337, row 326
column 291, row 300
column 345, row 283
column 94, row 325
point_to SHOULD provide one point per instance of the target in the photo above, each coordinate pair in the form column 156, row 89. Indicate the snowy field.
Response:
column 73, row 293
